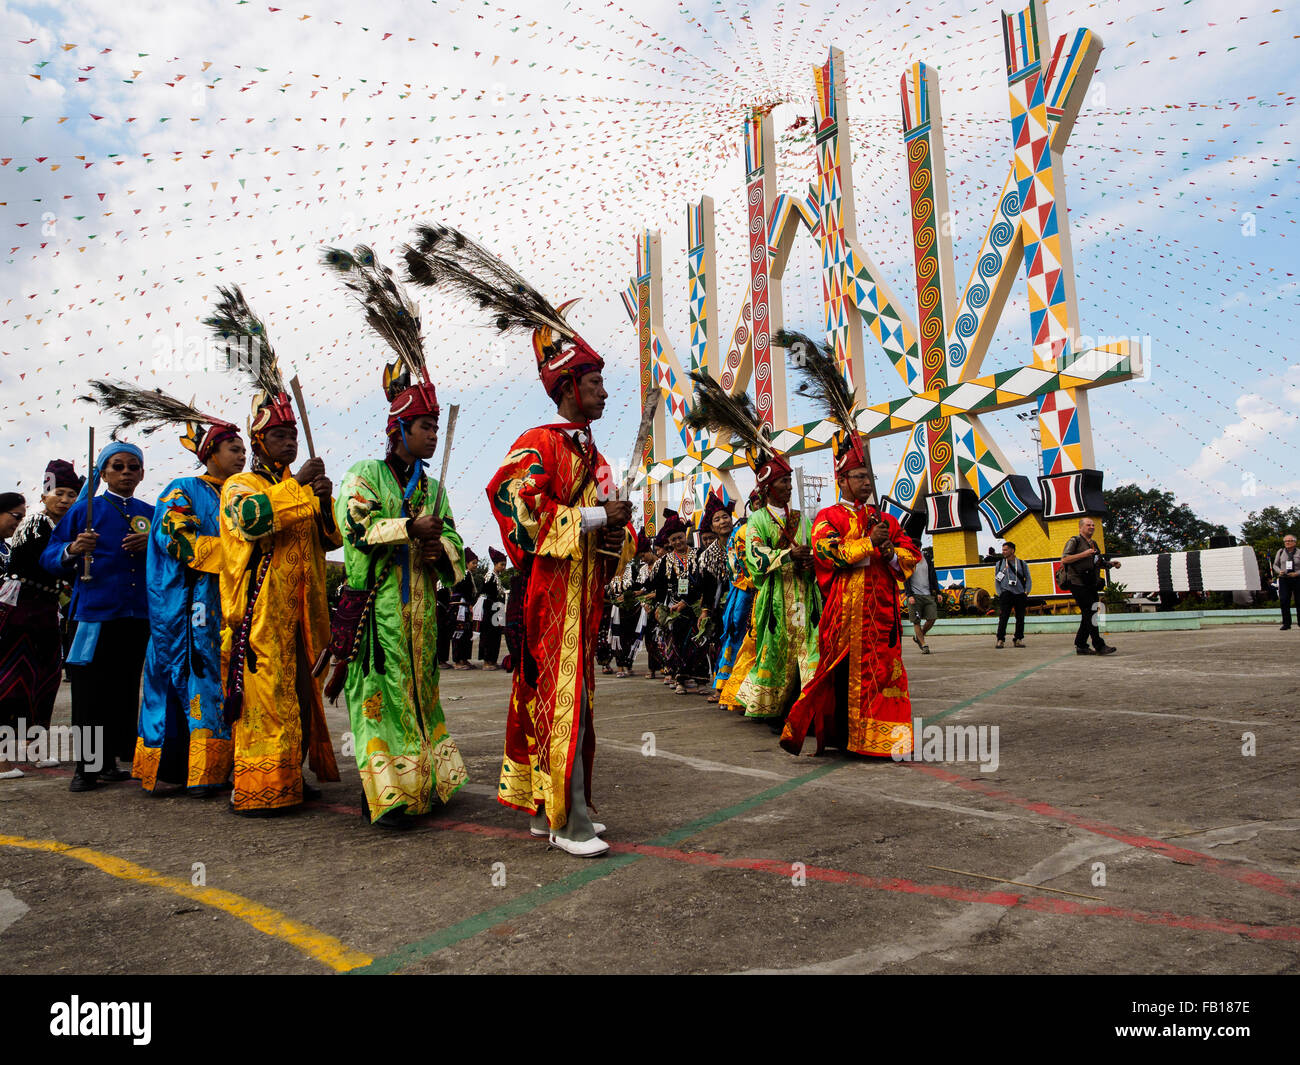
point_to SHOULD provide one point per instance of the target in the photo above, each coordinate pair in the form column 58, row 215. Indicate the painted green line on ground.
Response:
column 727, row 813
column 993, row 691
column 481, row 922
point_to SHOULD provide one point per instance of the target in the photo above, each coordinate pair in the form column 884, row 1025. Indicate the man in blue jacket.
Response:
column 111, row 611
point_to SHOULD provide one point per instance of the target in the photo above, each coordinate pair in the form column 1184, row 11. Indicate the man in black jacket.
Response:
column 1082, row 566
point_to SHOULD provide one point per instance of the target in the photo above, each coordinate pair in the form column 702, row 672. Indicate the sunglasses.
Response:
column 118, row 467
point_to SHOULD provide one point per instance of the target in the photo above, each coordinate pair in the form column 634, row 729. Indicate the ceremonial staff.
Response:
column 302, row 414
column 90, row 507
column 453, row 412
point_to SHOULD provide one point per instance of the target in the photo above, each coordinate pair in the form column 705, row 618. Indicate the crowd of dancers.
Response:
column 202, row 638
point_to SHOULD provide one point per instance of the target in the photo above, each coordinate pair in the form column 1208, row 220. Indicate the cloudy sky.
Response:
column 153, row 151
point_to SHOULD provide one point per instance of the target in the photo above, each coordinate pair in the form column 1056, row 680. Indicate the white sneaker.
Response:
column 46, row 763
column 12, row 774
column 542, row 833
column 592, row 848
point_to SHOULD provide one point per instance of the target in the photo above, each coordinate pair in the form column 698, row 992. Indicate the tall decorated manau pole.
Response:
column 952, row 477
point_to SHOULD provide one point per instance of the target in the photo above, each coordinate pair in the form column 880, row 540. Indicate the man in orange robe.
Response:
column 858, row 698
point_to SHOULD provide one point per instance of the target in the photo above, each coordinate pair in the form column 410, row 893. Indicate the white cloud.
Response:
column 1261, row 422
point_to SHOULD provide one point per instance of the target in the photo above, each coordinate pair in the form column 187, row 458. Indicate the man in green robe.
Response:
column 787, row 602
column 399, row 542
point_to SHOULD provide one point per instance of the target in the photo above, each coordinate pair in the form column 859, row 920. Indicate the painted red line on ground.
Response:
column 1007, row 899
column 950, row 892
column 1263, row 881
column 897, row 885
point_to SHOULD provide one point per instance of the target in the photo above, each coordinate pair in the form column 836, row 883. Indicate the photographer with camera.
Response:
column 1082, row 566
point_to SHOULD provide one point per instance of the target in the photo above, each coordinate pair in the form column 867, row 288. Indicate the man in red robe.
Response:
column 566, row 545
column 857, row 700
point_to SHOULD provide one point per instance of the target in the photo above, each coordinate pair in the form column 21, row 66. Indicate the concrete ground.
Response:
column 730, row 855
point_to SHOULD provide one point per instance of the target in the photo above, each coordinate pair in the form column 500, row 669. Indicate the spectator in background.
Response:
column 13, row 509
column 1286, row 567
column 922, row 589
column 464, row 595
column 494, row 611
column 31, row 644
column 1012, row 581
column 446, row 619
column 1082, row 566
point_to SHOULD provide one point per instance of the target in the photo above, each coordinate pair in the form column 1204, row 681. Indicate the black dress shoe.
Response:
column 1084, row 651
column 1107, row 650
column 311, row 794
column 114, row 776
column 83, row 782
column 395, row 820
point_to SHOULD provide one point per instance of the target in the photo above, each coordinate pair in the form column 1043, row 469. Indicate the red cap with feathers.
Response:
column 406, row 400
column 851, row 455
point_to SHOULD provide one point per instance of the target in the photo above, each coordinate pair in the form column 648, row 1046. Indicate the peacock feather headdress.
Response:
column 446, row 259
column 736, row 419
column 823, row 382
column 247, row 345
column 394, row 317
column 152, row 409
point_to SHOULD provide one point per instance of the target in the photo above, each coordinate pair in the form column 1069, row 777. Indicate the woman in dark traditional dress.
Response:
column 684, row 590
column 31, row 646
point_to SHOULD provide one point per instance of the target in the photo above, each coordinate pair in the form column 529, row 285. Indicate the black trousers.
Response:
column 1287, row 591
column 462, row 643
column 489, row 637
column 1008, row 602
column 106, row 692
column 446, row 621
column 648, row 634
column 627, row 619
column 1086, row 597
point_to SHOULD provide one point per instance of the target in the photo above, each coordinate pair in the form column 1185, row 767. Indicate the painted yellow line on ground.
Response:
column 315, row 944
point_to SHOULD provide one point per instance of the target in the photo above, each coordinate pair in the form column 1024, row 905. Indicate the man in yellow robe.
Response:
column 275, row 529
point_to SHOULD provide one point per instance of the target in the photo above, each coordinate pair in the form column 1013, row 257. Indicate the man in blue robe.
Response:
column 184, row 738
